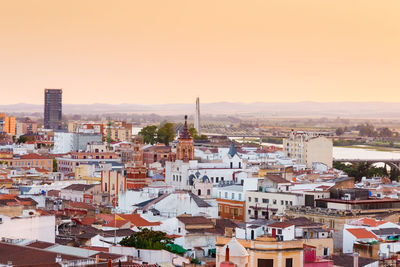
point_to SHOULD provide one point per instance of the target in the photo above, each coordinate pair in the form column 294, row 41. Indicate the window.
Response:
column 326, row 251
column 219, row 207
column 226, row 209
column 249, row 212
column 212, row 179
column 274, row 201
column 286, row 202
column 265, row 263
column 216, row 179
column 279, row 231
column 208, row 192
column 240, row 196
column 179, row 229
column 173, row 177
column 291, row 203
column 180, row 178
column 282, row 202
column 249, row 199
column 256, row 199
column 289, row 262
column 233, row 195
column 219, row 194
column 226, row 194
column 265, row 200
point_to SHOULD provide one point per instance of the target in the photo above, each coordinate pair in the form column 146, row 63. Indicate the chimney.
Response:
column 355, row 259
column 58, row 258
column 227, row 254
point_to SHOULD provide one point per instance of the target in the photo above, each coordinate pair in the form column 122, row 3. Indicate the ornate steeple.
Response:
column 185, row 148
column 185, row 134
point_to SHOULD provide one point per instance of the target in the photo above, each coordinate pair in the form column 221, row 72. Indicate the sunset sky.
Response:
column 169, row 51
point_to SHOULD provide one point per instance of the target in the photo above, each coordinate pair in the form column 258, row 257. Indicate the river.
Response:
column 358, row 153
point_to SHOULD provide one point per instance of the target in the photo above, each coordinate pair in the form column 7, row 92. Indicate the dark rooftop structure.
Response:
column 387, row 231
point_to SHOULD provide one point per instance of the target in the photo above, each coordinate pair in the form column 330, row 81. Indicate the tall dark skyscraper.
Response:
column 52, row 109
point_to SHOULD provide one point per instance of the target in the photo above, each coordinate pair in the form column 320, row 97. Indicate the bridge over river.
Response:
column 393, row 163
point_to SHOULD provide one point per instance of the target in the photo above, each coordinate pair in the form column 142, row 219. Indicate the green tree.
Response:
column 149, row 134
column 55, row 165
column 385, row 132
column 367, row 130
column 339, row 131
column 195, row 135
column 22, row 139
column 193, row 132
column 147, row 239
column 166, row 133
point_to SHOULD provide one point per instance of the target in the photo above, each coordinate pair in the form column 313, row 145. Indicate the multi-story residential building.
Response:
column 66, row 142
column 263, row 251
column 7, row 124
column 25, row 127
column 30, row 161
column 81, row 193
column 344, row 205
column 52, row 109
column 309, row 147
column 157, row 153
column 271, row 197
column 68, row 163
column 231, row 202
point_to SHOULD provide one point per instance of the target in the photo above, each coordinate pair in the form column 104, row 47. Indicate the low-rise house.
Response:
column 87, row 193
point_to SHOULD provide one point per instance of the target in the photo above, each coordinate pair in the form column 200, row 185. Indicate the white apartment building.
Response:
column 67, row 142
column 309, row 147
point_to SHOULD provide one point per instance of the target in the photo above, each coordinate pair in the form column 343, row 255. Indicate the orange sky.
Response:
column 171, row 51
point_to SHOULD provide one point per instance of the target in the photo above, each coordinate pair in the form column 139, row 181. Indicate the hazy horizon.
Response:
column 173, row 51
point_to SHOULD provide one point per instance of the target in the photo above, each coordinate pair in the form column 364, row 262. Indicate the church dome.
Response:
column 205, row 179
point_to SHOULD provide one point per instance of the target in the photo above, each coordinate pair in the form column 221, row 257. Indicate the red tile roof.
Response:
column 371, row 222
column 116, row 223
column 282, row 225
column 33, row 156
column 361, row 233
column 137, row 220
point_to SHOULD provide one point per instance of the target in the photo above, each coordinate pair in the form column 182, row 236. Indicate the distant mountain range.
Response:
column 259, row 109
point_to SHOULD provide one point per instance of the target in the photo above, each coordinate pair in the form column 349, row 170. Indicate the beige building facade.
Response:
column 308, row 147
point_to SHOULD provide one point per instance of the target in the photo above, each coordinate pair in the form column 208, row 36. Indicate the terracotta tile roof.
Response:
column 371, row 222
column 277, row 179
column 79, row 187
column 29, row 256
column 105, row 217
column 80, row 205
column 137, row 220
column 40, row 244
column 194, row 220
column 116, row 223
column 33, row 156
column 361, row 233
column 53, row 193
column 87, row 220
column 282, row 225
